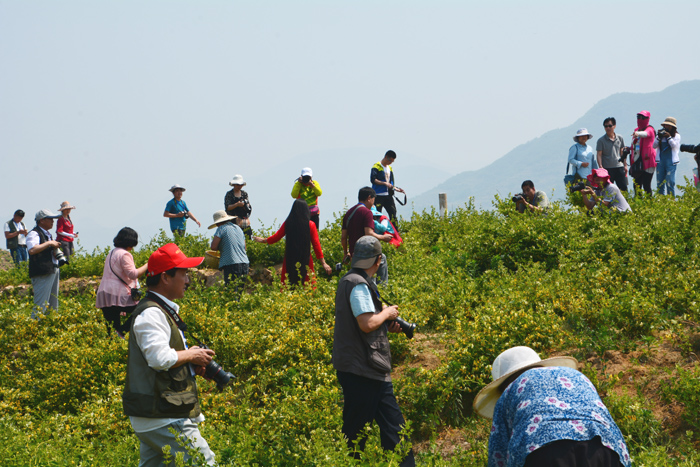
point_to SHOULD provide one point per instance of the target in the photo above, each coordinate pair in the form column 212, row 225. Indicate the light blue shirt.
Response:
column 232, row 245
column 361, row 300
column 578, row 154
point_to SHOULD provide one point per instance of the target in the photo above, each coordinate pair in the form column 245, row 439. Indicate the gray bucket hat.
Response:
column 366, row 251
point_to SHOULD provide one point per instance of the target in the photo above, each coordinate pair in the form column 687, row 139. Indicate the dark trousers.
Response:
column 112, row 315
column 387, row 202
column 19, row 254
column 569, row 453
column 617, row 176
column 316, row 218
column 67, row 248
column 235, row 273
column 643, row 180
column 368, row 400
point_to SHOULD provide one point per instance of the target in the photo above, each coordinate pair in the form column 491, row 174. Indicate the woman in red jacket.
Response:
column 64, row 230
column 301, row 234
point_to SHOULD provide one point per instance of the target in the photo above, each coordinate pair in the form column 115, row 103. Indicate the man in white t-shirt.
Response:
column 16, row 237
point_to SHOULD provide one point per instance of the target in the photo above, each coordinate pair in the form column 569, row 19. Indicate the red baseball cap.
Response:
column 168, row 257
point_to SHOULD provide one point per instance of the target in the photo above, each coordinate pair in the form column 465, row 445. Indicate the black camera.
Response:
column 690, row 148
column 624, row 152
column 216, row 373
column 60, row 257
column 186, row 215
column 406, row 327
column 517, row 197
column 305, row 179
column 577, row 187
column 662, row 133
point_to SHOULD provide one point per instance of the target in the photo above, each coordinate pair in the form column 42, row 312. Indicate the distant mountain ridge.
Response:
column 543, row 159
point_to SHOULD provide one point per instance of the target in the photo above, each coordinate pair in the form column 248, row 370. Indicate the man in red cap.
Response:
column 160, row 392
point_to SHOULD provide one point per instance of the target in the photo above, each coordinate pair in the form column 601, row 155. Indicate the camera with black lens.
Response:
column 624, row 152
column 662, row 133
column 60, row 257
column 406, row 327
column 305, row 179
column 186, row 215
column 517, row 197
column 691, row 148
column 216, row 373
column 577, row 187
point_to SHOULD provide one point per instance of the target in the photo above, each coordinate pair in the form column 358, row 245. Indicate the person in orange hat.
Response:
column 160, row 394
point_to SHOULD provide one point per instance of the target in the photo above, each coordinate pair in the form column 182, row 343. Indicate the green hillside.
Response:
column 620, row 293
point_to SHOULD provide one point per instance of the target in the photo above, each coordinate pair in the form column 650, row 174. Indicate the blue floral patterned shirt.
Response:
column 549, row 404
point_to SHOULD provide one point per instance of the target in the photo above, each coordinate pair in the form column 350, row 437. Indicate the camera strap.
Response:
column 169, row 311
column 372, row 286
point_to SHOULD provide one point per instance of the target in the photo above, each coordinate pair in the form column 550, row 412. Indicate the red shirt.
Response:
column 361, row 218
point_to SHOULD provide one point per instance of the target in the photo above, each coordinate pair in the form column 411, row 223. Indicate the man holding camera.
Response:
column 160, row 393
column 43, row 264
column 361, row 353
column 531, row 199
column 176, row 210
column 16, row 237
column 610, row 156
column 694, row 149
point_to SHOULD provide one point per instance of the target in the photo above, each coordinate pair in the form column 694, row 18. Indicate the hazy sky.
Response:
column 107, row 103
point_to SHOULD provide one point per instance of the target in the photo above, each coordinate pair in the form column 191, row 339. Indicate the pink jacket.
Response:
column 646, row 145
column 112, row 291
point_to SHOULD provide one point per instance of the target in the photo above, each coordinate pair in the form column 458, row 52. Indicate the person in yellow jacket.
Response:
column 308, row 189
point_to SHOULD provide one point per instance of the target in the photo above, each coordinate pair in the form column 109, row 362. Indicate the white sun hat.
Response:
column 507, row 363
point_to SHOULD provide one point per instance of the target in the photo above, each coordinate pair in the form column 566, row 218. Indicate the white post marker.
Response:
column 443, row 204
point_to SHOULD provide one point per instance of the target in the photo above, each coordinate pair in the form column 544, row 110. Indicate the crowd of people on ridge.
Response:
column 601, row 175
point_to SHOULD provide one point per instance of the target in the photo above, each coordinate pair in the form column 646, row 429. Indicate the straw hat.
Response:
column 237, row 180
column 219, row 217
column 510, row 361
column 670, row 121
column 582, row 132
column 66, row 205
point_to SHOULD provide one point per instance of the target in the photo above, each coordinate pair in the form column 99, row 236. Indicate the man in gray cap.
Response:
column 361, row 354
column 43, row 265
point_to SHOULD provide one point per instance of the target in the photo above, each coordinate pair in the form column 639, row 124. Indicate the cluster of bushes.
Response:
column 475, row 281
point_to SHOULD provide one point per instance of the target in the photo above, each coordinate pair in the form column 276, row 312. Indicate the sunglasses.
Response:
column 608, row 126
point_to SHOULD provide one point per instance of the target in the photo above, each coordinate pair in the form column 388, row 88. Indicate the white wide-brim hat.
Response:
column 582, row 132
column 237, row 180
column 507, row 363
column 176, row 187
column 219, row 217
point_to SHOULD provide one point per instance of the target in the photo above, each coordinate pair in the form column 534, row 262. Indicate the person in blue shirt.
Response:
column 229, row 240
column 581, row 155
column 545, row 412
column 176, row 210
